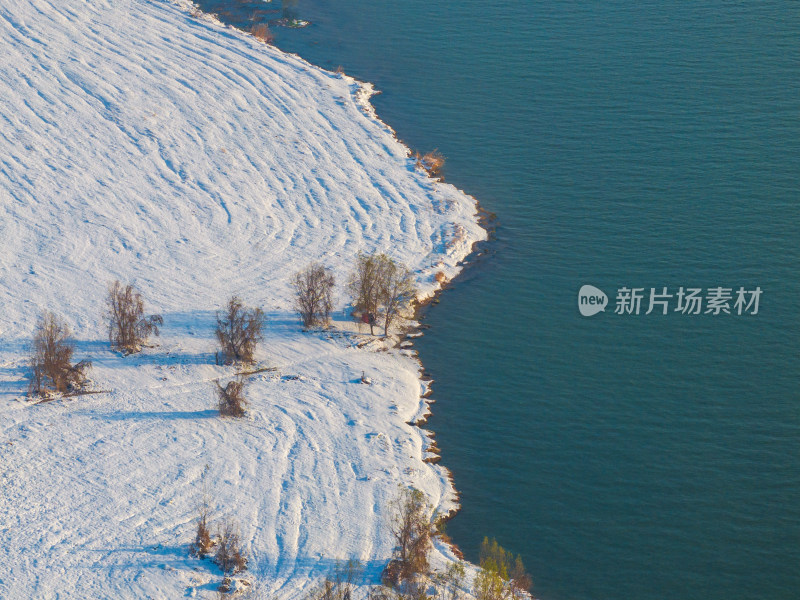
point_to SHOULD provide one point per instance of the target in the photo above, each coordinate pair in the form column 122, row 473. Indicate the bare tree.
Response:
column 230, row 557
column 128, row 328
column 379, row 284
column 365, row 286
column 231, row 399
column 314, row 290
column 51, row 359
column 413, row 532
column 396, row 290
column 239, row 330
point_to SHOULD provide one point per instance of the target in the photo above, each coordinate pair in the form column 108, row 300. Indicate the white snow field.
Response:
column 141, row 143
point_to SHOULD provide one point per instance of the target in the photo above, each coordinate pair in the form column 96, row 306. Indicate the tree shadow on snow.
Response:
column 163, row 556
column 320, row 568
column 101, row 353
column 159, row 415
column 196, row 323
column 175, row 558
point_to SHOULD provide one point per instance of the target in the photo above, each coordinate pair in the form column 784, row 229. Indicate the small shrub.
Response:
column 128, row 328
column 202, row 545
column 239, row 330
column 229, row 556
column 392, row 574
column 226, row 586
column 490, row 585
column 416, row 589
column 379, row 592
column 231, row 399
column 432, row 162
column 314, row 291
column 449, row 585
column 440, row 277
column 51, row 359
column 340, row 585
column 262, row 32
column 501, row 576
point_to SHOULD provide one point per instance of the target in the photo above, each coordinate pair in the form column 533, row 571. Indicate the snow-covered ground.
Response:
column 140, row 143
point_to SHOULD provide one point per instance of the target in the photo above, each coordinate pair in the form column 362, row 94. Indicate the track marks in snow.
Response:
column 139, row 144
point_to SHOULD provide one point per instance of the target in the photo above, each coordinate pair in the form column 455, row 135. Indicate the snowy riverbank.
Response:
column 140, row 143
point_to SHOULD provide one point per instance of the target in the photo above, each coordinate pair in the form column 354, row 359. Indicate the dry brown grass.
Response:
column 440, row 278
column 432, row 162
column 262, row 32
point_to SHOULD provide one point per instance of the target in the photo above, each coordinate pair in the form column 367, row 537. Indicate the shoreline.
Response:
column 485, row 219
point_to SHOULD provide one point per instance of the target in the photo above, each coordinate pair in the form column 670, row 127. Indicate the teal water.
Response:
column 643, row 144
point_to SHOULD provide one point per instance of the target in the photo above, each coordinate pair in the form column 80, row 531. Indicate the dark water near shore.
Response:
column 643, row 144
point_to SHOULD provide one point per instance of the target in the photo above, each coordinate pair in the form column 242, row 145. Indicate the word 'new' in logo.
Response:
column 591, row 300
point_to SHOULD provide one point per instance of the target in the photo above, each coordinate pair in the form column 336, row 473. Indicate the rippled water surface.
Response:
column 644, row 144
